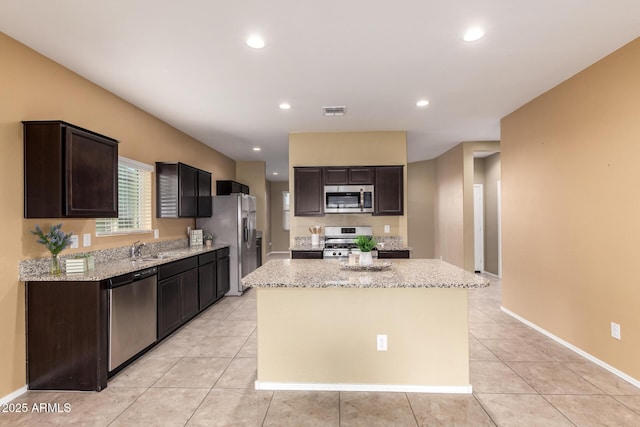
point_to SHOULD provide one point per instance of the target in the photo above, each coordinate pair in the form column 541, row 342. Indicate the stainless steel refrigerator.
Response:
column 234, row 222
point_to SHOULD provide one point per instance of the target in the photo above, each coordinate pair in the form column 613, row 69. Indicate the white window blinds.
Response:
column 134, row 200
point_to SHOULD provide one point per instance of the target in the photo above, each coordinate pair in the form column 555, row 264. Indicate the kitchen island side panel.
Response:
column 328, row 336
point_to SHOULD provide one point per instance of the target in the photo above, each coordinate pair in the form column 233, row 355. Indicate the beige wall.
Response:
column 449, row 204
column 492, row 176
column 328, row 336
column 421, row 188
column 571, row 209
column 254, row 175
column 279, row 236
column 35, row 88
column 348, row 149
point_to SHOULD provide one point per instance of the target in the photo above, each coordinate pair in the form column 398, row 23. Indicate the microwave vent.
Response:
column 335, row 111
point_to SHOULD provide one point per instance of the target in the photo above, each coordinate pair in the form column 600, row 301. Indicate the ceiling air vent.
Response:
column 335, row 111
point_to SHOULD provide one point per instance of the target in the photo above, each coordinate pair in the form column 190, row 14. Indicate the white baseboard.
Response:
column 267, row 385
column 9, row 397
column 278, row 252
column 575, row 349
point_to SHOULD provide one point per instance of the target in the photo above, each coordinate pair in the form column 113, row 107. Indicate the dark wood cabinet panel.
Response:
column 336, row 176
column 393, row 254
column 308, row 191
column 226, row 187
column 389, row 190
column 352, row 175
column 189, row 294
column 169, row 306
column 182, row 191
column 306, row 254
column 205, row 208
column 177, row 294
column 223, row 275
column 69, row 172
column 207, row 284
column 361, row 175
column 188, row 188
column 67, row 342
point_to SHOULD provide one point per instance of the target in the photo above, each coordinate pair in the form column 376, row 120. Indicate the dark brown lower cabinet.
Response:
column 393, row 254
column 306, row 254
column 223, row 275
column 67, row 335
column 177, row 294
column 207, row 279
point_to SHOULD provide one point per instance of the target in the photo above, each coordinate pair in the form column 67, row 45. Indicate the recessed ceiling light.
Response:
column 473, row 34
column 422, row 103
column 285, row 106
column 275, row 173
column 255, row 42
column 256, row 148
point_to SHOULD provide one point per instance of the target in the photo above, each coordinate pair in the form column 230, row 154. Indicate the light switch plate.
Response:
column 86, row 239
column 74, row 241
column 387, row 229
column 156, row 233
column 381, row 342
column 615, row 330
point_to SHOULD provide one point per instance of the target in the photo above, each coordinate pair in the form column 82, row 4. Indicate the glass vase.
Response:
column 54, row 265
column 365, row 259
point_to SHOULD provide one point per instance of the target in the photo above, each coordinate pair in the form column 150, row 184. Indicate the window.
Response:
column 285, row 210
column 134, row 200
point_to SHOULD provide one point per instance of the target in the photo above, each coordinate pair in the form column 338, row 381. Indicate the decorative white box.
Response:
column 196, row 238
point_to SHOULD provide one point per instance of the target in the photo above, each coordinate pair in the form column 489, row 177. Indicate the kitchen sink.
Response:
column 156, row 257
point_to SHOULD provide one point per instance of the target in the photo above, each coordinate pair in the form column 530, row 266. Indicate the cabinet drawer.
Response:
column 177, row 267
column 306, row 254
column 221, row 253
column 393, row 254
column 206, row 258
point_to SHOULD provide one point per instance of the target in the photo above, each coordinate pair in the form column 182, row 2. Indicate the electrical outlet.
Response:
column 74, row 241
column 387, row 229
column 381, row 342
column 615, row 331
column 86, row 239
column 156, row 233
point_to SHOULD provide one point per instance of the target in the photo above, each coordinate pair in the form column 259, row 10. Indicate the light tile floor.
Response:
column 204, row 374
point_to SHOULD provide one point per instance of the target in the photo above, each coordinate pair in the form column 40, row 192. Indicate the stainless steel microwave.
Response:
column 348, row 198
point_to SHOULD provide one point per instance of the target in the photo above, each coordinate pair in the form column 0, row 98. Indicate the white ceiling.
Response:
column 187, row 63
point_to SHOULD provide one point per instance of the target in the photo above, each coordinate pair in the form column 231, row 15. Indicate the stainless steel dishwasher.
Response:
column 133, row 306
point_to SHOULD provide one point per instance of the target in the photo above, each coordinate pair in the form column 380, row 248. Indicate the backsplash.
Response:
column 35, row 266
column 389, row 242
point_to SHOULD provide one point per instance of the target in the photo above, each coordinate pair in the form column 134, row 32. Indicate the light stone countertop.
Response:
column 106, row 270
column 403, row 273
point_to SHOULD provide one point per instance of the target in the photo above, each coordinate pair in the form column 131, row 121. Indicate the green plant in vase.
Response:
column 366, row 244
column 55, row 241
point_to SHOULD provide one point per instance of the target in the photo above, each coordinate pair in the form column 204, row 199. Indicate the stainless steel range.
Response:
column 340, row 241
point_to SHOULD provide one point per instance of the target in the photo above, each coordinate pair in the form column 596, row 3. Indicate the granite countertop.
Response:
column 386, row 243
column 403, row 273
column 106, row 270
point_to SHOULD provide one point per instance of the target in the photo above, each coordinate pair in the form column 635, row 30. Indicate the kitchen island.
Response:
column 320, row 325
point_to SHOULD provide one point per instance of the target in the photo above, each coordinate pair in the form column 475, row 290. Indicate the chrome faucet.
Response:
column 136, row 249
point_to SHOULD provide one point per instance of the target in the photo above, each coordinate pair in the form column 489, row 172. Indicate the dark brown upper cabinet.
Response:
column 389, row 191
column 352, row 175
column 69, row 172
column 308, row 199
column 182, row 191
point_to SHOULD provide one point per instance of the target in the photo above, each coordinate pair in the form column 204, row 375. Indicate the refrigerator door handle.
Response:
column 245, row 230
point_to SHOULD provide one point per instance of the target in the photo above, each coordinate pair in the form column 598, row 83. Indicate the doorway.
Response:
column 478, row 227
